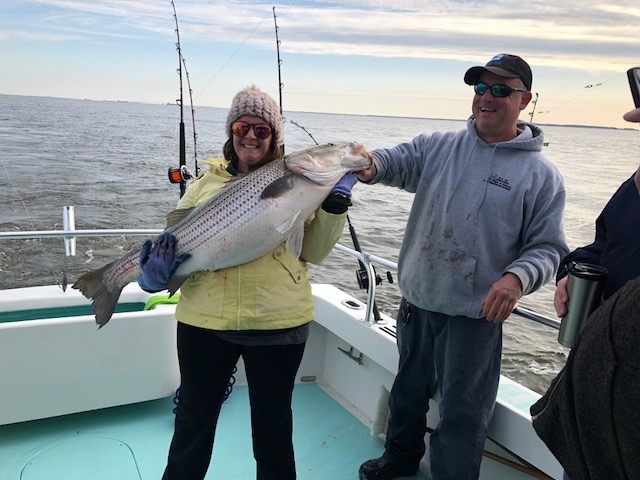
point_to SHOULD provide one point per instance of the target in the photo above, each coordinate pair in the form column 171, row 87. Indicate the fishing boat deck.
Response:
column 130, row 442
column 58, row 366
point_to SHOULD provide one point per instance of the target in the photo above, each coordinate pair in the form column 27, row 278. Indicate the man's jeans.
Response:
column 463, row 354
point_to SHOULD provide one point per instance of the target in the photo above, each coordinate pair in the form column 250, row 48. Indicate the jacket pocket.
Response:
column 204, row 293
column 295, row 267
column 284, row 288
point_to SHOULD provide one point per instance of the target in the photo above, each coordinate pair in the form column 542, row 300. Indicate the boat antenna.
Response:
column 280, row 84
column 534, row 109
column 181, row 174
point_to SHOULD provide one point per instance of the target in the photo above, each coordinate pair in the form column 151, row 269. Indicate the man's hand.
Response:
column 369, row 172
column 561, row 297
column 502, row 298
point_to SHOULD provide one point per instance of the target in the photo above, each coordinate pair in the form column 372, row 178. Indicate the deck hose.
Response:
column 232, row 381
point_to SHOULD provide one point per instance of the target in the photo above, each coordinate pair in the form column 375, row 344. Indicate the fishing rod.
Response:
column 232, row 55
column 70, row 246
column 307, row 131
column 181, row 174
column 193, row 119
column 362, row 275
column 280, row 84
column 586, row 89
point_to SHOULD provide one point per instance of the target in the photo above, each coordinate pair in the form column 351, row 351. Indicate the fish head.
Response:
column 326, row 164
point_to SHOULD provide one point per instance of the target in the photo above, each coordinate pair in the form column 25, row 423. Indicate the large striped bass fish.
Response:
column 247, row 219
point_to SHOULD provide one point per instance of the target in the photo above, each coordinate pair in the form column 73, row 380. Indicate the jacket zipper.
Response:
column 550, row 396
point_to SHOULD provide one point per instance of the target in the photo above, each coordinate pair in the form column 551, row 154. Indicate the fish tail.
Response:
column 104, row 299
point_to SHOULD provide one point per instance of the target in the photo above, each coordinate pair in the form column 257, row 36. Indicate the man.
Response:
column 589, row 417
column 485, row 228
column 617, row 240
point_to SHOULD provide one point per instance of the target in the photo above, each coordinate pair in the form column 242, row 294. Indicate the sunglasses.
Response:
column 261, row 130
column 499, row 91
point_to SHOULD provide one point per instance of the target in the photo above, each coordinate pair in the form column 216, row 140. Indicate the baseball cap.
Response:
column 505, row 65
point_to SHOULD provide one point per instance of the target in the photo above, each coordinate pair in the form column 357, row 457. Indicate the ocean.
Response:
column 110, row 159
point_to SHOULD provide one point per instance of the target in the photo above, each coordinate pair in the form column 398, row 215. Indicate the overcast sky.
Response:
column 370, row 57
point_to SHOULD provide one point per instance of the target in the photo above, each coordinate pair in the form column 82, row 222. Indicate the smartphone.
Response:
column 634, row 84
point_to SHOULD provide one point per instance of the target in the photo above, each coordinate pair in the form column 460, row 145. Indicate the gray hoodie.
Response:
column 480, row 210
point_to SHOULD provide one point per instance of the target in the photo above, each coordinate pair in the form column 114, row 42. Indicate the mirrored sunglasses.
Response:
column 260, row 130
column 499, row 91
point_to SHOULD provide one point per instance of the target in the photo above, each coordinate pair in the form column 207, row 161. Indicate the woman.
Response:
column 259, row 310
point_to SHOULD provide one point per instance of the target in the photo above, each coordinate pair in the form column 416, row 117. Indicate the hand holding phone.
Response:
column 633, row 74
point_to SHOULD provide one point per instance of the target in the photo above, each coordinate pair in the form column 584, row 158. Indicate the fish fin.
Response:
column 295, row 234
column 175, row 217
column 235, row 178
column 288, row 224
column 174, row 284
column 103, row 300
column 278, row 187
column 294, row 241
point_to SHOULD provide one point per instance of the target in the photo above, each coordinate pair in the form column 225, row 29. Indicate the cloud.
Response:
column 327, row 47
column 557, row 34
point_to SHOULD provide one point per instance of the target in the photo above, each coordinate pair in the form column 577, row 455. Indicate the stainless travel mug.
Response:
column 585, row 286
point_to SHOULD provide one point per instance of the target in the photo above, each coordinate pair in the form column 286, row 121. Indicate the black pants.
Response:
column 206, row 364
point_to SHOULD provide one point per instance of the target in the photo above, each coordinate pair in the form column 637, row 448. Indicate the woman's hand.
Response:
column 158, row 262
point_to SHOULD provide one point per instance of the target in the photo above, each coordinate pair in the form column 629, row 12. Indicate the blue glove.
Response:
column 158, row 263
column 345, row 184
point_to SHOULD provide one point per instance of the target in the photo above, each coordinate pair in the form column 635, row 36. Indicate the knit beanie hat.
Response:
column 253, row 101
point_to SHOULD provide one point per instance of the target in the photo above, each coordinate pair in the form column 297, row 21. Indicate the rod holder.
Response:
column 69, row 225
column 349, row 353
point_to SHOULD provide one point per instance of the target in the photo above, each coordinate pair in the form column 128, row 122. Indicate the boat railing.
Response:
column 368, row 260
column 69, row 234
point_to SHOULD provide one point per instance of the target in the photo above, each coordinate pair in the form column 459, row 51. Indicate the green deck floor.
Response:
column 131, row 442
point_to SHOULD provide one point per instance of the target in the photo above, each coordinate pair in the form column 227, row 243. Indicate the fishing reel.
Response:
column 362, row 276
column 179, row 174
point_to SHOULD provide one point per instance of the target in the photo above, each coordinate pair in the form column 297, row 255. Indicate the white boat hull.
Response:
column 59, row 366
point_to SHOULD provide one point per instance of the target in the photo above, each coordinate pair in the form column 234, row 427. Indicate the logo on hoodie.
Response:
column 499, row 181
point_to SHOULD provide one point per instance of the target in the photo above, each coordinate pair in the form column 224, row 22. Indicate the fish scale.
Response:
column 235, row 205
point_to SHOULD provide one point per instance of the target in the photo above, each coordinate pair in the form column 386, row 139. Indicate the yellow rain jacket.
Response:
column 270, row 293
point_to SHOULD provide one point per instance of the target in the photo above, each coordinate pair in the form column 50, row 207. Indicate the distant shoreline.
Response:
column 327, row 113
